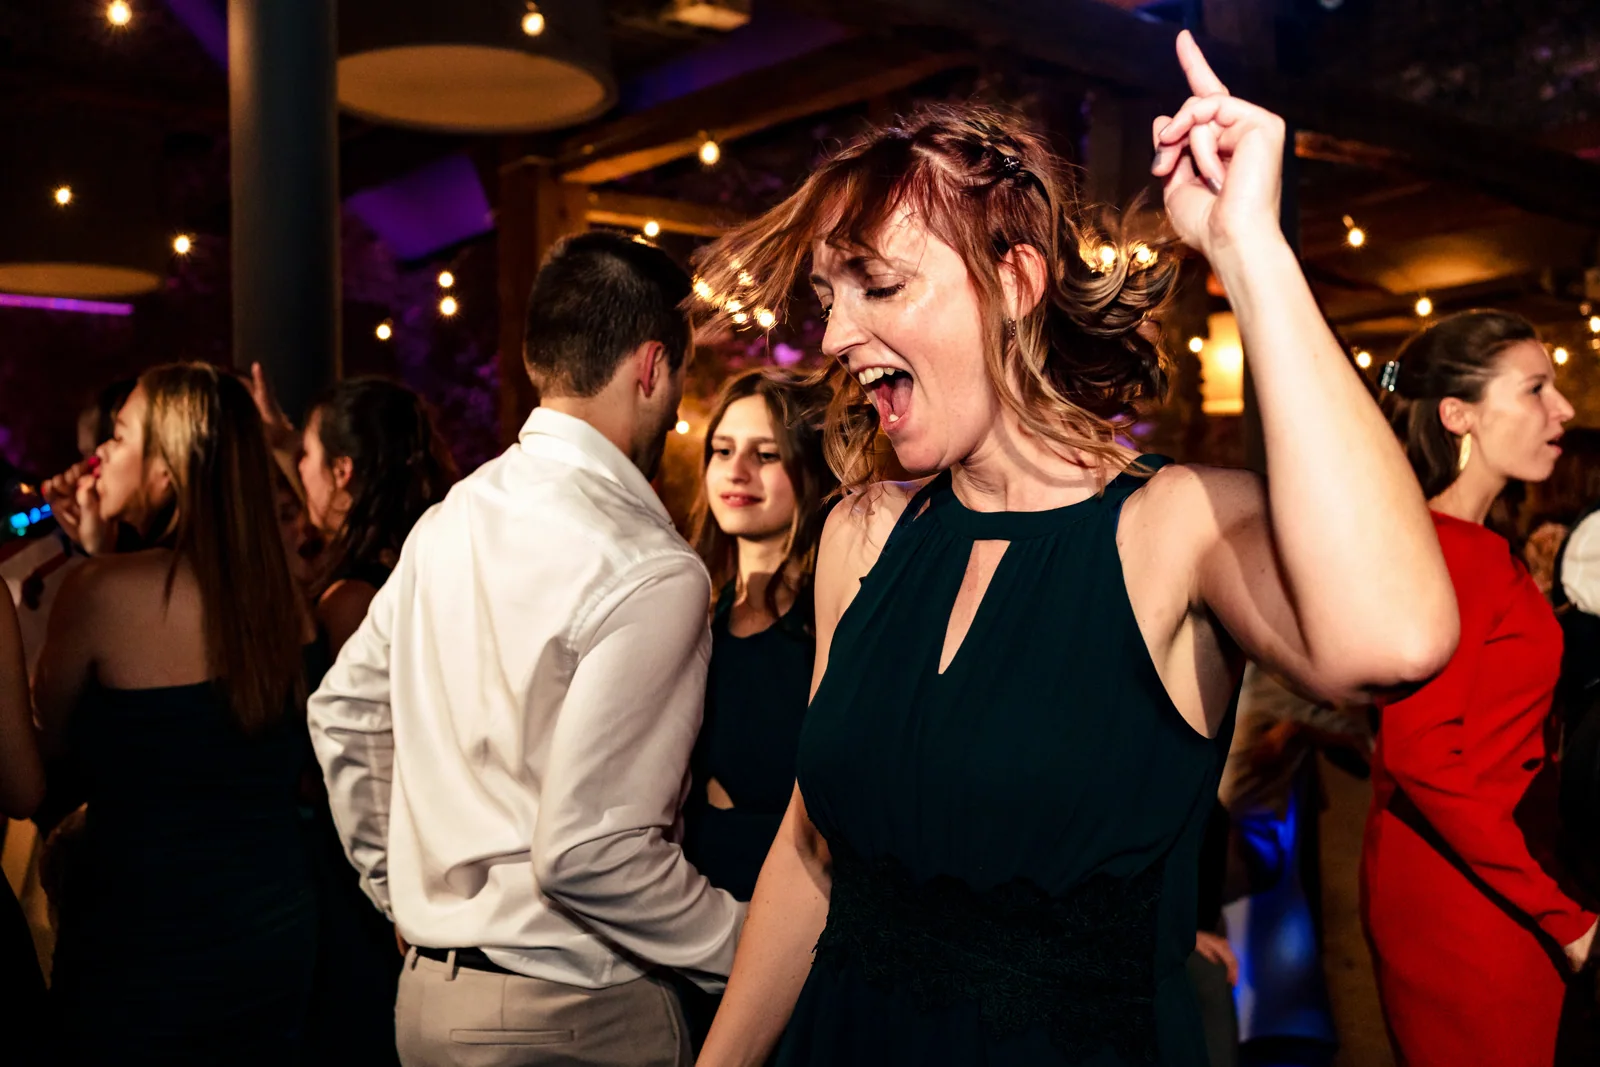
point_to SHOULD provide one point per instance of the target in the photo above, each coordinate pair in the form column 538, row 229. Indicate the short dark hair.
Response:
column 1456, row 357
column 598, row 297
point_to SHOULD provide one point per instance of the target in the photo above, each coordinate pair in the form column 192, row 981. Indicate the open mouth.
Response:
column 890, row 390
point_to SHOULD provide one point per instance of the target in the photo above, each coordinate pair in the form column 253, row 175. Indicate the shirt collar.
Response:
column 600, row 455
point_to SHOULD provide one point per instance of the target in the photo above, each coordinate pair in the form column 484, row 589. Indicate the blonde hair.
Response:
column 202, row 423
column 983, row 182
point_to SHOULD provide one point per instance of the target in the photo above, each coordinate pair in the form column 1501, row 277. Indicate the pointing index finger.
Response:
column 1203, row 81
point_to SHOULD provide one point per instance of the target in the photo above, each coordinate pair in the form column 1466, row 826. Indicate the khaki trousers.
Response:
column 450, row 1016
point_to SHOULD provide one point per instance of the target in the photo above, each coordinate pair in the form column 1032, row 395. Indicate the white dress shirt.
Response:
column 1580, row 565
column 506, row 738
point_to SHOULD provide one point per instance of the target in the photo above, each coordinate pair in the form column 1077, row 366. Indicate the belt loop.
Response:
column 450, row 962
column 411, row 957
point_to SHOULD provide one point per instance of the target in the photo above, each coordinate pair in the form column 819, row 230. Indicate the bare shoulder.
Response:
column 112, row 580
column 861, row 522
column 343, row 608
column 1192, row 501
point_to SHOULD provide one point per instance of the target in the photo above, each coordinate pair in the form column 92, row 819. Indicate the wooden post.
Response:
column 537, row 209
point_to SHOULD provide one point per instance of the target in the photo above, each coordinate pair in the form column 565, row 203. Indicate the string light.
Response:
column 1196, row 344
column 1143, row 255
column 1108, row 257
column 1424, row 307
column 745, row 279
column 448, row 306
column 1354, row 235
column 384, row 330
column 710, row 152
column 702, row 289
column 182, row 243
column 652, row 228
column 1560, row 356
column 64, row 195
column 533, row 21
column 1363, row 359
column 740, row 317
column 446, row 279
column 1594, row 323
column 734, row 305
column 683, row 426
column 765, row 318
column 119, row 13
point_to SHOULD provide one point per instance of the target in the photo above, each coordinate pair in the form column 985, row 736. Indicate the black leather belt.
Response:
column 471, row 958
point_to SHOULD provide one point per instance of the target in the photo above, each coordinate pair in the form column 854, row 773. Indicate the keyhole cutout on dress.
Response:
column 981, row 567
column 717, row 796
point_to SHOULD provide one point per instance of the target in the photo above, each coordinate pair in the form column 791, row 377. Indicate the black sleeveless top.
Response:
column 756, row 693
column 1015, row 841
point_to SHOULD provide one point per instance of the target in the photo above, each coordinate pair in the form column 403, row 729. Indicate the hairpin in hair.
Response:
column 1389, row 377
column 1010, row 164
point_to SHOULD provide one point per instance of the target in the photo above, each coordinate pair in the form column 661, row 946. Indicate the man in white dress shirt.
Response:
column 506, row 738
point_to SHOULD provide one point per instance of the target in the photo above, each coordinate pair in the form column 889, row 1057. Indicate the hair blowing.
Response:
column 203, row 425
column 399, row 467
column 983, row 182
column 796, row 408
column 1455, row 357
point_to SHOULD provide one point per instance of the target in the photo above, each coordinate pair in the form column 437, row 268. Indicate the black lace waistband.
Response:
column 1082, row 964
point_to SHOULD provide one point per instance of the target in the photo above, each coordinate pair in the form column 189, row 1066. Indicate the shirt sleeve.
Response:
column 1580, row 565
column 353, row 734
column 616, row 772
column 1429, row 750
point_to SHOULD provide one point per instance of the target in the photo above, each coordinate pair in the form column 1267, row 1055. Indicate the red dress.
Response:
column 1465, row 906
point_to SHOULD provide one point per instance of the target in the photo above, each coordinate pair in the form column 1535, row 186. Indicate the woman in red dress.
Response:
column 1473, row 922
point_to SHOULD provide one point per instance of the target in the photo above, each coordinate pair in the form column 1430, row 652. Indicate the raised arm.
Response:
column 352, row 731
column 1332, row 575
column 615, row 774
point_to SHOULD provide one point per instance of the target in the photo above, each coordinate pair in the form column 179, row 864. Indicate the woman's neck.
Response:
column 761, row 562
column 1470, row 496
column 1015, row 470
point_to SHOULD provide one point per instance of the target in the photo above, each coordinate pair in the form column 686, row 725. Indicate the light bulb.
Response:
column 1363, row 359
column 741, row 317
column 1560, row 356
column 1108, row 256
column 181, row 244
column 384, row 330
column 64, row 195
column 734, row 305
column 119, row 13
column 1196, row 344
column 446, row 279
column 709, row 152
column 765, row 318
column 683, row 426
column 448, row 306
column 533, row 21
column 1356, row 237
column 702, row 289
column 652, row 228
column 1424, row 307
column 1594, row 323
column 1143, row 255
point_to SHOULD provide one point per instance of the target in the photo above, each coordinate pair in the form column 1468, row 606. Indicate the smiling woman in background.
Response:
column 756, row 525
column 1466, row 907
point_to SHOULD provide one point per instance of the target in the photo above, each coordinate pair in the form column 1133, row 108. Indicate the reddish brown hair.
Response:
column 983, row 182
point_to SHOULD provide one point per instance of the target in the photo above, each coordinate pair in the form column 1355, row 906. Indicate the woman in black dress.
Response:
column 1026, row 662
column 756, row 525
column 174, row 674
column 371, row 465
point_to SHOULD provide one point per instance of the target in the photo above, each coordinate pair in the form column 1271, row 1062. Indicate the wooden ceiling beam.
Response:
column 1125, row 49
column 609, row 208
column 835, row 76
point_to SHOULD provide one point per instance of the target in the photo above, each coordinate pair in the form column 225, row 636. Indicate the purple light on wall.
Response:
column 207, row 20
column 62, row 303
column 430, row 208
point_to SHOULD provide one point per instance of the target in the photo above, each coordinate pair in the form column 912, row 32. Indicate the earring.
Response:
column 1466, row 452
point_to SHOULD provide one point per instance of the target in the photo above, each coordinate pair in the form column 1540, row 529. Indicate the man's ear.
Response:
column 650, row 367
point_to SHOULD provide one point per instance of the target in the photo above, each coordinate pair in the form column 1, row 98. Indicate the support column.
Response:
column 283, row 125
column 536, row 210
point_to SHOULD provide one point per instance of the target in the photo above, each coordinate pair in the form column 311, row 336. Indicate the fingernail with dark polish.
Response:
column 1214, row 185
